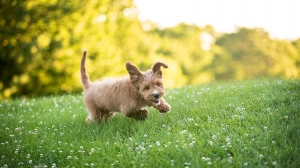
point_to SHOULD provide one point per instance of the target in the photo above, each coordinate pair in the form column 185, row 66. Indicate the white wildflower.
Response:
column 183, row 132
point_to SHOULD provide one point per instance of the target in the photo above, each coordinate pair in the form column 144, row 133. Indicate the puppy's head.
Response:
column 149, row 83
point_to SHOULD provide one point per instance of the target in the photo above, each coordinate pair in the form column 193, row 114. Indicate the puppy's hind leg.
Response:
column 90, row 118
column 92, row 114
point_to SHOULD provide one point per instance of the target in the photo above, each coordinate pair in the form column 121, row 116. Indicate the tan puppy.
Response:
column 128, row 95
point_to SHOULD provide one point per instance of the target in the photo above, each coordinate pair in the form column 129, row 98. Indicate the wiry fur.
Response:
column 127, row 95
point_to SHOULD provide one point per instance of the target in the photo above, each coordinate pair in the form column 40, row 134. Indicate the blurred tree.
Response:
column 183, row 43
column 296, row 44
column 253, row 53
column 31, row 32
column 40, row 39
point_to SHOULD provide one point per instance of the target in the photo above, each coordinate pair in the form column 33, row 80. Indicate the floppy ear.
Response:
column 134, row 72
column 156, row 68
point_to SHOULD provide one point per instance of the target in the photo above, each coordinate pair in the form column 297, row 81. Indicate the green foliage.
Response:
column 252, row 123
column 42, row 41
column 253, row 53
column 34, row 33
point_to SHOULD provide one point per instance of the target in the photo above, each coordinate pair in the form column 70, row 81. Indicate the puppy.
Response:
column 127, row 95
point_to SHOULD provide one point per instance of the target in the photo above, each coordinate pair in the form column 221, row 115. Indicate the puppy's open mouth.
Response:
column 156, row 102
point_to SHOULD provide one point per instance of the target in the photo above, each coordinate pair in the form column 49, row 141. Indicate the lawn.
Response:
column 251, row 123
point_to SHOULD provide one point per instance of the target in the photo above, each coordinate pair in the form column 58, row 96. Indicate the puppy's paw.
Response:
column 88, row 121
column 164, row 108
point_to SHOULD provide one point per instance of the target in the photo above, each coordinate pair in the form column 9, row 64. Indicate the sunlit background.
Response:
column 278, row 17
column 201, row 41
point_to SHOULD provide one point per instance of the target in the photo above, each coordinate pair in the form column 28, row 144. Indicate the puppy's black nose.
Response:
column 156, row 95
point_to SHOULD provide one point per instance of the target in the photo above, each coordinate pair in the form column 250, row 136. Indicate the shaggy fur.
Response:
column 128, row 95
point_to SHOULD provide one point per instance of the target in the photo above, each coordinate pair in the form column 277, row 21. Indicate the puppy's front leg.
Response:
column 142, row 114
column 163, row 107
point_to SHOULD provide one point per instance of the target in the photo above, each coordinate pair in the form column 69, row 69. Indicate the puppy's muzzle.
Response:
column 156, row 95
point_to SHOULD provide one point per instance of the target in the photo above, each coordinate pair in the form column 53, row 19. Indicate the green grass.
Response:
column 253, row 123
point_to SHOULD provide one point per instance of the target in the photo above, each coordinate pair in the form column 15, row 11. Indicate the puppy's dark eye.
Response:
column 146, row 88
column 158, row 84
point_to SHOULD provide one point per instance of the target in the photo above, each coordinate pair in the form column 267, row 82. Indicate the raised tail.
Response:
column 85, row 80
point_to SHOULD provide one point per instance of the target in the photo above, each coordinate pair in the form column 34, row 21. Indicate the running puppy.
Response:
column 128, row 95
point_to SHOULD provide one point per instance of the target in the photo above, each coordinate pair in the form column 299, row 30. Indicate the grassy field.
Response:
column 252, row 123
